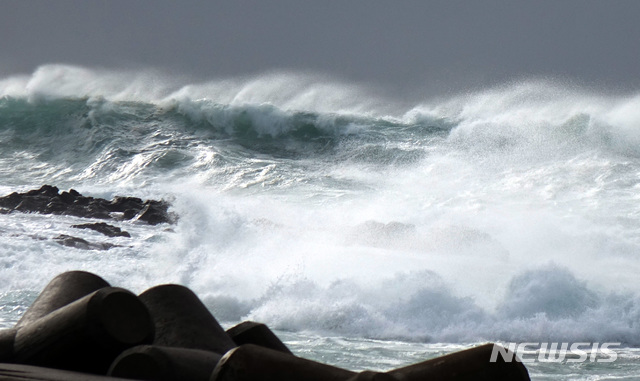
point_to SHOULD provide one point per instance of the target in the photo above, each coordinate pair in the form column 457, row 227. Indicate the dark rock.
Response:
column 56, row 206
column 82, row 201
column 11, row 201
column 69, row 241
column 121, row 204
column 31, row 204
column 96, row 209
column 68, row 197
column 104, row 228
column 154, row 212
column 48, row 200
column 73, row 210
column 129, row 214
column 82, row 244
column 45, row 190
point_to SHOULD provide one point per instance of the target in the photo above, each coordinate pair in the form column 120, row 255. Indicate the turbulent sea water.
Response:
column 369, row 233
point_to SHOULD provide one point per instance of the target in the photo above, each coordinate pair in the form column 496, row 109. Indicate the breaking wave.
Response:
column 509, row 213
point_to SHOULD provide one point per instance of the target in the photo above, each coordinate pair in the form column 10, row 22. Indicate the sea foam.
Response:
column 507, row 213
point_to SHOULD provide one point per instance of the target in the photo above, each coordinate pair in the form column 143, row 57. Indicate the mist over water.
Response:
column 507, row 214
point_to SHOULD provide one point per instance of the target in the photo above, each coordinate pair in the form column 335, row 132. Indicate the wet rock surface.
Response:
column 83, row 244
column 104, row 228
column 49, row 200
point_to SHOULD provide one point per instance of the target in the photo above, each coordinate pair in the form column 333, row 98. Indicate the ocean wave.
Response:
column 535, row 115
column 314, row 205
column 429, row 311
column 314, row 268
column 67, row 140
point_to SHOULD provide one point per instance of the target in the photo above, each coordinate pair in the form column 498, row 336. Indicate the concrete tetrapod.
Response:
column 20, row 372
column 181, row 320
column 250, row 332
column 255, row 363
column 151, row 362
column 62, row 290
column 85, row 335
column 251, row 362
column 7, row 338
column 469, row 365
column 368, row 375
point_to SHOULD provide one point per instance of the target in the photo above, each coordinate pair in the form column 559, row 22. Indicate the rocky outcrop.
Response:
column 82, row 244
column 49, row 200
column 104, row 228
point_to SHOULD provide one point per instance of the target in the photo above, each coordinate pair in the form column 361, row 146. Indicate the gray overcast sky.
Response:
column 398, row 44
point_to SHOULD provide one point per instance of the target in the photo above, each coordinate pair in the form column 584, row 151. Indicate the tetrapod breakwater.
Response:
column 82, row 328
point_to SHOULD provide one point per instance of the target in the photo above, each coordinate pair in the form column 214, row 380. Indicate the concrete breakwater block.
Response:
column 255, row 363
column 470, row 364
column 85, row 335
column 150, row 362
column 81, row 328
column 368, row 375
column 251, row 362
column 19, row 372
column 62, row 290
column 78, row 322
column 182, row 320
column 250, row 332
column 7, row 338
